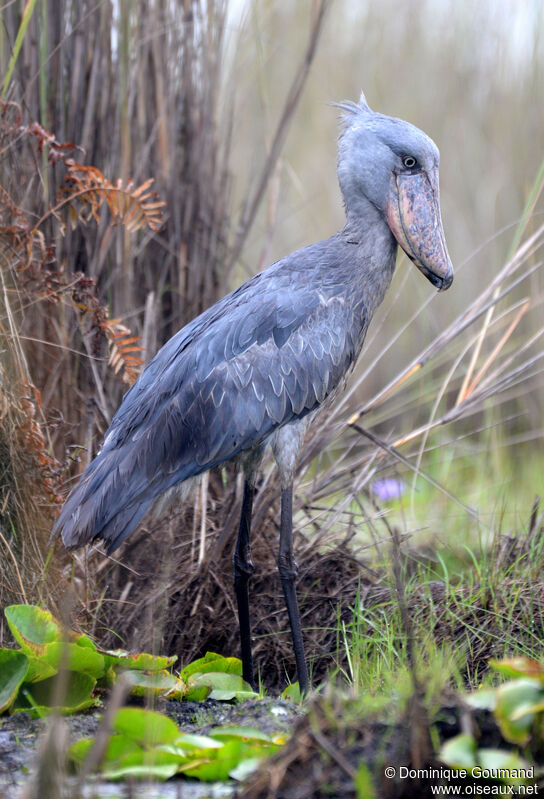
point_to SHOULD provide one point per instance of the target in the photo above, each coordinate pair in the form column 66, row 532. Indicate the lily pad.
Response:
column 292, row 693
column 32, row 627
column 146, row 727
column 156, row 683
column 46, row 644
column 224, row 686
column 212, row 662
column 233, row 754
column 514, row 712
column 519, row 667
column 77, row 658
column 124, row 758
column 245, row 769
column 188, row 743
column 39, row 669
column 197, row 693
column 117, row 748
column 141, row 661
column 483, row 699
column 219, row 765
column 84, row 641
column 143, row 765
column 37, row 698
column 510, row 762
column 13, row 670
column 460, row 752
column 239, row 733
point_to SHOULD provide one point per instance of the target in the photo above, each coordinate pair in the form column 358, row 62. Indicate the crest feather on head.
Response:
column 353, row 110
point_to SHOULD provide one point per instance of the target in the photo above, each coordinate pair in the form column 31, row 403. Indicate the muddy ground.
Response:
column 330, row 740
column 20, row 738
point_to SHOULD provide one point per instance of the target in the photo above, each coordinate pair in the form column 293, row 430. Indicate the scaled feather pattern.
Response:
column 266, row 354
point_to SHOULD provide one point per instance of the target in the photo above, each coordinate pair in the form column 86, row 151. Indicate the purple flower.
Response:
column 387, row 489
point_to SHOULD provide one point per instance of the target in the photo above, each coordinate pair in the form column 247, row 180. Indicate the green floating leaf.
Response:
column 219, row 765
column 77, row 658
column 292, row 693
column 510, row 762
column 40, row 637
column 224, row 686
column 538, row 707
column 13, row 670
column 32, row 627
column 82, row 658
column 156, row 683
column 232, row 755
column 39, row 669
column 459, row 752
column 86, row 642
column 243, row 733
column 37, row 698
column 246, row 768
column 519, row 667
column 212, row 662
column 142, row 765
column 79, row 750
column 125, row 758
column 141, row 661
column 117, row 748
column 146, row 744
column 482, row 699
column 191, row 742
column 514, row 714
column 145, row 727
column 197, row 693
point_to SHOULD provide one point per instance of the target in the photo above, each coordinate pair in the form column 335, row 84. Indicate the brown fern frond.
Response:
column 40, row 279
column 12, row 130
column 20, row 410
column 87, row 189
column 123, row 346
column 9, row 211
column 57, row 151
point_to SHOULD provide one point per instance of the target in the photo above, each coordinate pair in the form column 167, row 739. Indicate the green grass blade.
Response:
column 27, row 14
column 528, row 210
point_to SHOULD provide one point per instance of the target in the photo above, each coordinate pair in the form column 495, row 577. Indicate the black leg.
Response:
column 288, row 572
column 243, row 567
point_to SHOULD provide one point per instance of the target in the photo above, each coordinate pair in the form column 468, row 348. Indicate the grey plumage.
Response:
column 254, row 368
column 267, row 354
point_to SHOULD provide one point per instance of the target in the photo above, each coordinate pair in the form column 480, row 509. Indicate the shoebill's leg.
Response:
column 288, row 571
column 243, row 567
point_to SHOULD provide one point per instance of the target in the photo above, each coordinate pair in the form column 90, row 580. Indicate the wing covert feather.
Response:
column 266, row 354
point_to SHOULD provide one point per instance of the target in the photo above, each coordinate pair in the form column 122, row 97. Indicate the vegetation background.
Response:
column 227, row 105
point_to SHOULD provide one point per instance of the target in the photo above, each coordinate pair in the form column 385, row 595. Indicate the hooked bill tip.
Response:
column 446, row 281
